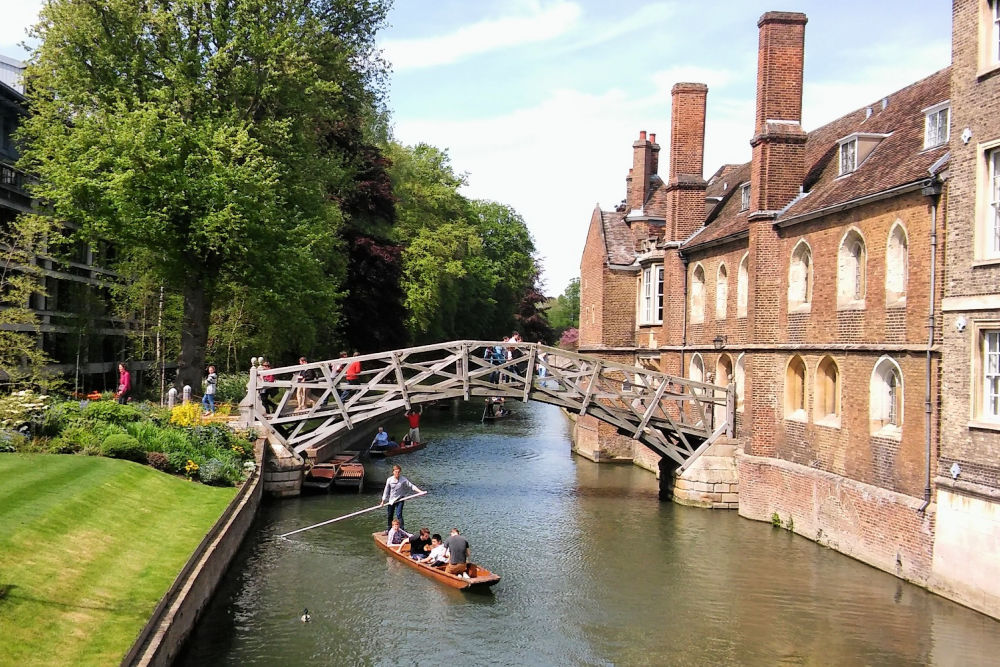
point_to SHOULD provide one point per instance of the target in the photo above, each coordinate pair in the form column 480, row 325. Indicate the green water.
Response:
column 595, row 571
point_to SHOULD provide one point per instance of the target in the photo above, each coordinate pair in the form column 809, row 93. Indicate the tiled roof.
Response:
column 617, row 238
column 725, row 218
column 897, row 160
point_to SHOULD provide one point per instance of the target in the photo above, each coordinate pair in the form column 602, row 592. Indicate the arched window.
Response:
column 885, row 403
column 739, row 377
column 827, row 404
column 721, row 292
column 896, row 265
column 723, row 376
column 795, row 389
column 851, row 267
column 698, row 295
column 743, row 286
column 696, row 368
column 800, row 278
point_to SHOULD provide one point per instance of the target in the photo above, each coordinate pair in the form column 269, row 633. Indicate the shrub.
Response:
column 75, row 438
column 172, row 440
column 111, row 412
column 212, row 437
column 22, row 407
column 58, row 416
column 147, row 433
column 11, row 441
column 188, row 414
column 124, row 446
column 103, row 430
column 158, row 461
column 213, row 472
column 232, row 387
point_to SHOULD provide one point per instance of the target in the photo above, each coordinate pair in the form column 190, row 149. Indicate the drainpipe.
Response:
column 684, row 319
column 931, row 189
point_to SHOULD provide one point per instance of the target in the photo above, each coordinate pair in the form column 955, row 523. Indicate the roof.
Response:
column 897, row 160
column 617, row 238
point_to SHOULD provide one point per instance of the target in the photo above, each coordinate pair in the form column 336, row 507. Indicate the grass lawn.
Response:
column 88, row 546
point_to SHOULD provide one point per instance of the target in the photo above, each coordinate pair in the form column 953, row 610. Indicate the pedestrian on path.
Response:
column 208, row 400
column 124, row 384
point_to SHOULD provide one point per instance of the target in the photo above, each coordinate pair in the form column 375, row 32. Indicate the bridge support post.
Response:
column 667, row 469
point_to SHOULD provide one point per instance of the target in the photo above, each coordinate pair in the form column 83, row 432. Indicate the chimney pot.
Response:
column 642, row 135
column 652, row 138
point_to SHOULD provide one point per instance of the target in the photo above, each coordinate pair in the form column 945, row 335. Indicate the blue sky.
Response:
column 538, row 101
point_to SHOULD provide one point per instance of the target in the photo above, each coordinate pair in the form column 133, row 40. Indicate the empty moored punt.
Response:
column 340, row 471
column 483, row 579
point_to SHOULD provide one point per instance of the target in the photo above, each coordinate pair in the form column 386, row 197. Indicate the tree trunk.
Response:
column 198, row 294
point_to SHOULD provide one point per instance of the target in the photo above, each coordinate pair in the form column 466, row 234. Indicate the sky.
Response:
column 538, row 101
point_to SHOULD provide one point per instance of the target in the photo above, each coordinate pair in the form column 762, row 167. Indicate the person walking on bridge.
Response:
column 396, row 488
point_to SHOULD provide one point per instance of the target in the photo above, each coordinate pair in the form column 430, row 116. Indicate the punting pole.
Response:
column 348, row 516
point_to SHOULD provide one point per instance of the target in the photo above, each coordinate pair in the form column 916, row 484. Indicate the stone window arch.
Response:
column 723, row 377
column 698, row 294
column 897, row 264
column 827, row 403
column 739, row 378
column 743, row 286
column 885, row 403
column 721, row 292
column 696, row 368
column 800, row 278
column 852, row 265
column 795, row 389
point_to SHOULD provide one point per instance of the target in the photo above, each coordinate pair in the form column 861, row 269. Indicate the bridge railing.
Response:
column 308, row 404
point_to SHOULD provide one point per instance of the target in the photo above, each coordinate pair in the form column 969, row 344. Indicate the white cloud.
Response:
column 540, row 23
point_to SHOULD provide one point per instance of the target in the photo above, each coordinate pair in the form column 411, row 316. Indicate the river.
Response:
column 595, row 571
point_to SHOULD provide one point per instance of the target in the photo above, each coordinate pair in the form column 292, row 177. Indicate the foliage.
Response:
column 21, row 407
column 570, row 339
column 147, row 433
column 200, row 138
column 218, row 473
column 232, row 388
column 373, row 308
column 775, row 520
column 11, row 441
column 564, row 310
column 22, row 362
column 111, row 412
column 186, row 414
column 158, row 460
column 57, row 417
column 123, row 446
column 75, row 438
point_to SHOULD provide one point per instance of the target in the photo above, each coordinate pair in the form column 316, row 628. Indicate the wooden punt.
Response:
column 340, row 471
column 501, row 415
column 398, row 449
column 483, row 579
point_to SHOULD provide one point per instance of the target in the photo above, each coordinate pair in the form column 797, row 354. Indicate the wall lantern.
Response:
column 719, row 342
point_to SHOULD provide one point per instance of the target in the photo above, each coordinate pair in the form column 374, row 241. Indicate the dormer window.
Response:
column 936, row 124
column 855, row 149
column 848, row 156
column 744, row 196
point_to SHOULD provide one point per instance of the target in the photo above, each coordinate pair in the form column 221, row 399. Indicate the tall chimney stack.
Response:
column 686, row 185
column 778, row 164
column 642, row 168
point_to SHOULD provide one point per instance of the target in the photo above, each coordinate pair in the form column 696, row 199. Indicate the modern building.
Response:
column 76, row 326
column 811, row 278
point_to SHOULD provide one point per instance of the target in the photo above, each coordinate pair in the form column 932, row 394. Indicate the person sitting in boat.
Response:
column 397, row 537
column 458, row 553
column 420, row 543
column 381, row 440
column 439, row 553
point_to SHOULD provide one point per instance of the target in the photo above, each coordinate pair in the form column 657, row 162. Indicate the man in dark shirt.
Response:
column 458, row 553
column 420, row 544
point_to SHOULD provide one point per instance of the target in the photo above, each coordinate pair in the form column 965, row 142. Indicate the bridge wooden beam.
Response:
column 650, row 409
column 465, row 370
column 529, row 372
column 401, row 380
column 336, row 398
column 590, row 387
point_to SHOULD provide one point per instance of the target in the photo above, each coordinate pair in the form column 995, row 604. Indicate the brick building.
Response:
column 812, row 278
column 966, row 565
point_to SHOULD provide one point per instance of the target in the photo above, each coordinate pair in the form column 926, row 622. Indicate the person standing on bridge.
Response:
column 413, row 418
column 302, row 392
column 397, row 487
column 352, row 376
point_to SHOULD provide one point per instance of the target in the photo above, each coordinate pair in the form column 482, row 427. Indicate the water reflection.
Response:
column 596, row 570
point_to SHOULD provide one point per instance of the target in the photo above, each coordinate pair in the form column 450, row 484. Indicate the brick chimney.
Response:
column 686, row 185
column 778, row 164
column 643, row 161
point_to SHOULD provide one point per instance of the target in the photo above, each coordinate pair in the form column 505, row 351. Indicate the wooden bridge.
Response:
column 676, row 417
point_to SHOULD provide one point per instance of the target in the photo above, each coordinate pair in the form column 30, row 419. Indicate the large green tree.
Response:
column 200, row 136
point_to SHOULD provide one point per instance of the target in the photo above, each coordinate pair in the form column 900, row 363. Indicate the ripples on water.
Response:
column 596, row 570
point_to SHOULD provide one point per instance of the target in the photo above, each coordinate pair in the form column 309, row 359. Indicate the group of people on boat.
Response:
column 451, row 553
column 383, row 441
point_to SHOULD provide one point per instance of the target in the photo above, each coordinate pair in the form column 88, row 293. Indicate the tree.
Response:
column 564, row 310
column 200, row 136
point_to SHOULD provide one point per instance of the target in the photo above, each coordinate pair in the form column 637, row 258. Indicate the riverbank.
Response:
column 86, row 555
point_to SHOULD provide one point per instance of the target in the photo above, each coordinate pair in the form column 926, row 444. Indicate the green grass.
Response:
column 88, row 546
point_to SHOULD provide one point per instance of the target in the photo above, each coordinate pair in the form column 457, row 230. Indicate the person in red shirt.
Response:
column 352, row 376
column 413, row 417
column 124, row 384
